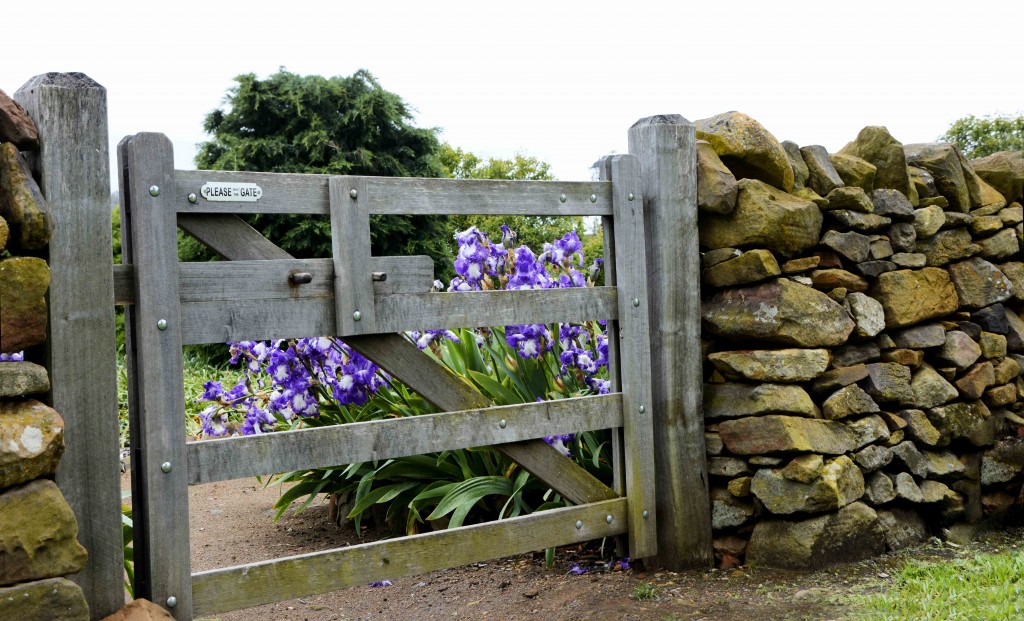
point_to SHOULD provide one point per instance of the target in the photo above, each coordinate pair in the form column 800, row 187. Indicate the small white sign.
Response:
column 231, row 192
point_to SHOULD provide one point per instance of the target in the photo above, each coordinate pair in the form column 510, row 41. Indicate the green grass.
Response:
column 644, row 591
column 983, row 588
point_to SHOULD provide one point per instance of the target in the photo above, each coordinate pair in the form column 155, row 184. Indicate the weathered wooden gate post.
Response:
column 70, row 112
column 665, row 146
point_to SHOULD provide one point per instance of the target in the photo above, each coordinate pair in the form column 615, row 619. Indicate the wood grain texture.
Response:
column 612, row 327
column 232, row 588
column 160, row 499
column 223, row 321
column 665, row 146
column 325, row 447
column 350, row 243
column 448, row 391
column 229, row 236
column 635, row 357
column 244, row 280
column 70, row 112
column 308, row 194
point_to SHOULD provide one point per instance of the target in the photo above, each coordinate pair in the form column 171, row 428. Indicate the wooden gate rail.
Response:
column 243, row 586
column 178, row 304
column 325, row 447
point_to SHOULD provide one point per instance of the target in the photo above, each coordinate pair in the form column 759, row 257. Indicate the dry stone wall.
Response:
column 863, row 342
column 38, row 530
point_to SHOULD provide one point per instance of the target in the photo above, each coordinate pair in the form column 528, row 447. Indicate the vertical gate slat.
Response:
column 608, row 227
column 350, row 242
column 159, row 470
column 634, row 354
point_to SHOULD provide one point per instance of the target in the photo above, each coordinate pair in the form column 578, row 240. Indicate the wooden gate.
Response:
column 252, row 297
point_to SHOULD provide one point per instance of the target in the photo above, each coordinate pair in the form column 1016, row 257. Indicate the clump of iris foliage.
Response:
column 983, row 587
column 319, row 381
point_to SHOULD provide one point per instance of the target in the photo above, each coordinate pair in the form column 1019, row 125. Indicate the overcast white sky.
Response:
column 557, row 81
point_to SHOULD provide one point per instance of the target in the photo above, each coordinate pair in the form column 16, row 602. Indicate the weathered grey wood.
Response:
column 248, row 280
column 448, row 391
column 70, row 112
column 160, row 495
column 612, row 328
column 323, row 447
column 229, row 236
column 394, row 195
column 221, row 321
column 665, row 146
column 350, row 243
column 232, row 588
column 471, row 309
column 635, row 360
column 293, row 193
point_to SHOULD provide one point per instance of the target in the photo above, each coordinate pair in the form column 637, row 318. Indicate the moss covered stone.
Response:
column 22, row 203
column 23, row 285
column 747, row 148
column 38, row 534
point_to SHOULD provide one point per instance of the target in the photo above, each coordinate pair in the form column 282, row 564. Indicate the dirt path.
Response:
column 232, row 523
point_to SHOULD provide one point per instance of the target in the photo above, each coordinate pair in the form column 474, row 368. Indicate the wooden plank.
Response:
column 70, row 112
column 612, row 328
column 471, row 309
column 242, row 280
column 221, row 321
column 448, row 391
column 635, row 360
column 294, row 193
column 401, row 195
column 324, row 447
column 229, row 236
column 232, row 588
column 665, row 146
column 350, row 243
column 160, row 494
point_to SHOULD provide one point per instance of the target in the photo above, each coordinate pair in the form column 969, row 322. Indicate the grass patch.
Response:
column 985, row 587
column 644, row 591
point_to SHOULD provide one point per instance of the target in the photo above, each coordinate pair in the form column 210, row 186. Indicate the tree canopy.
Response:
column 979, row 137
column 341, row 126
column 533, row 231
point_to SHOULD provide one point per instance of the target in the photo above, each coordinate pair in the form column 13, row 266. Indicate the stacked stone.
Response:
column 38, row 530
column 863, row 340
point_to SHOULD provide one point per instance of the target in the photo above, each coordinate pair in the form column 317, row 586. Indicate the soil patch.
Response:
column 232, row 523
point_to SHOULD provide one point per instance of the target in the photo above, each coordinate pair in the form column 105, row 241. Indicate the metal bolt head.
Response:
column 154, row 190
column 161, row 324
column 636, row 302
column 593, row 198
column 172, row 601
column 630, row 197
column 646, row 514
column 166, row 466
column 579, row 524
column 562, row 198
column 642, row 409
column 356, row 316
column 353, row 194
column 609, row 519
column 503, row 423
column 192, row 198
